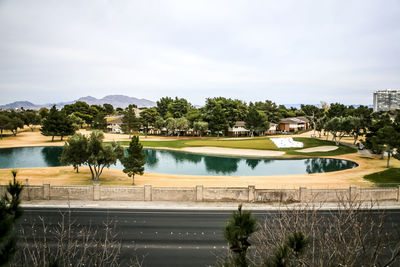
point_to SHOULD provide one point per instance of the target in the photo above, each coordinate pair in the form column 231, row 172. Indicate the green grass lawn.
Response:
column 262, row 143
column 254, row 143
column 169, row 144
column 386, row 178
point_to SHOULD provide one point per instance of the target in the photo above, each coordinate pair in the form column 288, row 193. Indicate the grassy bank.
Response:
column 386, row 178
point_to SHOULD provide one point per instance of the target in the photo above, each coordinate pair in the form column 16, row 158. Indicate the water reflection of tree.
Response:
column 7, row 158
column 221, row 165
column 252, row 163
column 151, row 157
column 181, row 157
column 51, row 155
column 318, row 165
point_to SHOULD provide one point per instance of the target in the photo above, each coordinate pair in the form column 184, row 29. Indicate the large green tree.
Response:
column 256, row 121
column 160, row 123
column 99, row 121
column 193, row 115
column 339, row 127
column 77, row 121
column 378, row 122
column 178, row 108
column 101, row 156
column 162, row 106
column 389, row 140
column 170, row 124
column 31, row 118
column 336, row 110
column 109, row 109
column 200, row 127
column 216, row 118
column 230, row 111
column 4, row 123
column 129, row 120
column 148, row 118
column 57, row 124
column 182, row 125
column 16, row 121
column 75, row 151
column 271, row 110
column 313, row 113
column 134, row 159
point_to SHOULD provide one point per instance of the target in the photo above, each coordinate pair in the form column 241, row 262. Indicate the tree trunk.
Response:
column 1, row 134
column 77, row 168
column 91, row 171
column 52, row 138
column 145, row 133
column 62, row 137
column 388, row 159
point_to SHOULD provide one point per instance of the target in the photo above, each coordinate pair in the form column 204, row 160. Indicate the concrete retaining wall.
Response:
column 225, row 194
column 271, row 195
column 200, row 193
column 119, row 193
column 173, row 194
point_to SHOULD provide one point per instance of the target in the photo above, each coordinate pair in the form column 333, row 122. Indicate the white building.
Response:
column 238, row 129
column 385, row 100
column 114, row 124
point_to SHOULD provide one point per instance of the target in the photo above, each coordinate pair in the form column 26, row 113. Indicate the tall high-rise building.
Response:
column 385, row 100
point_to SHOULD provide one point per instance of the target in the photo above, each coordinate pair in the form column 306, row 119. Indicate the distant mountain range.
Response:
column 121, row 101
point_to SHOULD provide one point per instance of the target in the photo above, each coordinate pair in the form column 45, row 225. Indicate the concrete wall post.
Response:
column 199, row 193
column 303, row 194
column 147, row 192
column 46, row 191
column 353, row 193
column 252, row 193
column 96, row 191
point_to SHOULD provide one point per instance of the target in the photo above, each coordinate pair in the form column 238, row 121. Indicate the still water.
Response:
column 174, row 162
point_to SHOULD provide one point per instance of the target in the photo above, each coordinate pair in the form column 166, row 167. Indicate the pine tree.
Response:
column 256, row 120
column 57, row 124
column 134, row 161
column 237, row 232
column 129, row 121
column 10, row 211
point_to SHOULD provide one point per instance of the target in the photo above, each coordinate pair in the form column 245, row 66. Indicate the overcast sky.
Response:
column 286, row 51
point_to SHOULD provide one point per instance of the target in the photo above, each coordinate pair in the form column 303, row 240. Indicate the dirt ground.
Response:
column 67, row 176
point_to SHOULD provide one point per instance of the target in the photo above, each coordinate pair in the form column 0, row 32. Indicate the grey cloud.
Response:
column 287, row 51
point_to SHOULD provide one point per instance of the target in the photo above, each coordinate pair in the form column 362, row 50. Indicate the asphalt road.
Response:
column 165, row 237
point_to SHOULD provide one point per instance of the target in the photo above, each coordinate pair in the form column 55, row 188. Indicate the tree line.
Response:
column 177, row 116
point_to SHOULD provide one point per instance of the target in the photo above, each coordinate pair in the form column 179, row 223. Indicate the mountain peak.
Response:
column 121, row 101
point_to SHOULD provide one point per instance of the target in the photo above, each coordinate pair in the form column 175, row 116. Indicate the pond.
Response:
column 182, row 163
